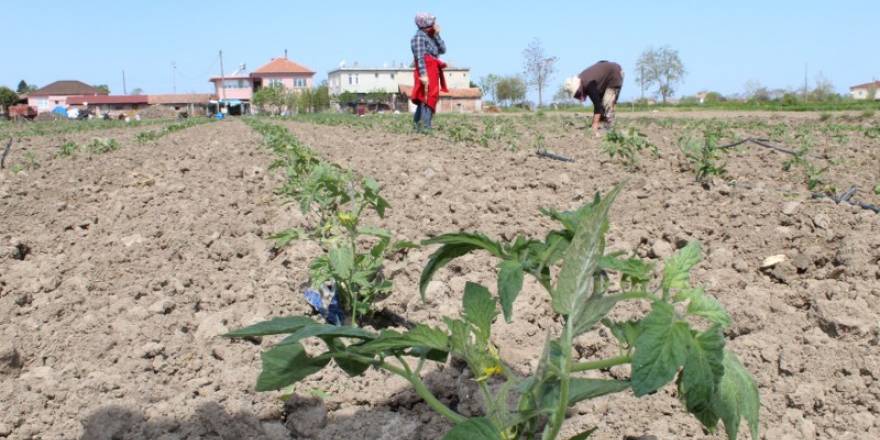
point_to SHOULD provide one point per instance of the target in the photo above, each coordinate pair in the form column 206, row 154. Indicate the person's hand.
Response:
column 424, row 80
column 436, row 28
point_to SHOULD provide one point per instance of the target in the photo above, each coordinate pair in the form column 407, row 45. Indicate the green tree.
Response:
column 563, row 97
column 824, row 90
column 322, row 98
column 7, row 98
column 510, row 90
column 538, row 68
column 661, row 68
column 488, row 85
column 102, row 89
column 22, row 87
column 136, row 92
column 271, row 99
column 756, row 92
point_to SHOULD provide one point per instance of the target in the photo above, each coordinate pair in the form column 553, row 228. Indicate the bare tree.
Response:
column 538, row 67
column 662, row 68
column 488, row 84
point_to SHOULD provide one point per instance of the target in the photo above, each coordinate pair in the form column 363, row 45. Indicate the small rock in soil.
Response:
column 5, row 430
column 772, row 260
column 10, row 360
column 821, row 221
column 790, row 208
column 661, row 249
column 162, row 307
column 305, row 416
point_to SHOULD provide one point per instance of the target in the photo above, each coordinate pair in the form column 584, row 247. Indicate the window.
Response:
column 236, row 84
column 392, row 76
column 275, row 83
column 42, row 103
column 350, row 79
column 376, row 75
column 299, row 82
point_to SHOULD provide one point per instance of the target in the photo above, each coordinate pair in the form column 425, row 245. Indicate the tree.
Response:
column 488, row 84
column 271, row 99
column 22, row 87
column 511, row 89
column 103, row 89
column 7, row 98
column 756, row 92
column 137, row 91
column 563, row 97
column 538, row 67
column 661, row 68
column 824, row 90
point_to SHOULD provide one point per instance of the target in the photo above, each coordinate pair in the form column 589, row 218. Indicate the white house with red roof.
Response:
column 862, row 91
column 241, row 85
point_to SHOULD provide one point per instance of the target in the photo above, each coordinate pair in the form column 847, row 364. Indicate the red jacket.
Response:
column 436, row 83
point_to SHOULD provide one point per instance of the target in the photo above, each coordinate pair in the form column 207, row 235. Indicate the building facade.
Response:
column 57, row 93
column 241, row 84
column 863, row 91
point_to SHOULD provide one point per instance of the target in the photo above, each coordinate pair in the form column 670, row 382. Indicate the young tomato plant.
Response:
column 627, row 144
column 680, row 340
column 348, row 275
column 703, row 155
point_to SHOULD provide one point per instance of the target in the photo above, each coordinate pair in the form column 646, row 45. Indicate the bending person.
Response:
column 601, row 82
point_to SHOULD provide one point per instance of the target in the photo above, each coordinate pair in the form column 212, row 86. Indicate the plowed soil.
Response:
column 118, row 272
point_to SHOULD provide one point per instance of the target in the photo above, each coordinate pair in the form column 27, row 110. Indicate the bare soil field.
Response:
column 119, row 271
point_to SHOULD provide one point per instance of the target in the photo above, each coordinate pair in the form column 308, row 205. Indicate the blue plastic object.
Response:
column 332, row 313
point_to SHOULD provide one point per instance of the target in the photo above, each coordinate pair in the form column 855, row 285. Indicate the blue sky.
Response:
column 723, row 44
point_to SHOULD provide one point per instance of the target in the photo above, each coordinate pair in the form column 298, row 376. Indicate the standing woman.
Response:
column 427, row 46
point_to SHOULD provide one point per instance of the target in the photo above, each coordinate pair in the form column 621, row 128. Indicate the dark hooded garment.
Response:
column 598, row 78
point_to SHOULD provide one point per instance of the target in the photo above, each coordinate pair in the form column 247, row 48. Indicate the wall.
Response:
column 455, row 105
column 45, row 104
column 386, row 80
column 288, row 80
column 244, row 93
column 863, row 94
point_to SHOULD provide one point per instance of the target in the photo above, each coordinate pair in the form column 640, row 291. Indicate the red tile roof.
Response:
column 67, row 88
column 108, row 100
column 472, row 92
column 183, row 98
column 866, row 85
column 281, row 65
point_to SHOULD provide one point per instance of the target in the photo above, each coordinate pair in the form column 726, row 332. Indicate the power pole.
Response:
column 806, row 81
column 124, row 89
column 174, row 76
column 642, row 80
column 222, row 81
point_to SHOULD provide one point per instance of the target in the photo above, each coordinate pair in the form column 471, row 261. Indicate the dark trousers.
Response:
column 423, row 116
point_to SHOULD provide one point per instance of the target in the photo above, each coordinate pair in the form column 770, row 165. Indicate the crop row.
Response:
column 680, row 340
column 154, row 135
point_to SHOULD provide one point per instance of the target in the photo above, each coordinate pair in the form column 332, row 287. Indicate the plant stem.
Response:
column 558, row 417
column 601, row 364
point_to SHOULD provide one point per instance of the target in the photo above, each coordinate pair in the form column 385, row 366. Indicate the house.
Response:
column 57, row 93
column 113, row 105
column 397, row 81
column 192, row 103
column 460, row 100
column 237, row 88
column 862, row 91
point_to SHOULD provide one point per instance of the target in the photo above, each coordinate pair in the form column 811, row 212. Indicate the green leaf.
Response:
column 703, row 369
column 585, row 389
column 284, row 238
column 420, row 336
column 626, row 332
column 479, row 309
column 479, row 428
column 704, row 305
column 632, row 269
column 595, row 309
column 274, row 326
column 326, row 332
column 576, row 277
column 584, row 435
column 454, row 246
column 374, row 232
column 660, row 349
column 342, row 261
column 287, row 364
column 737, row 398
column 351, row 367
column 510, row 282
column 677, row 268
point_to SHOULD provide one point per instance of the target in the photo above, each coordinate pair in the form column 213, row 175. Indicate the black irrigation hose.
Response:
column 554, row 156
column 759, row 142
column 5, row 152
column 845, row 197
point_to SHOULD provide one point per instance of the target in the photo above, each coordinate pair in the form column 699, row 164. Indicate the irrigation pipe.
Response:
column 554, row 156
column 846, row 196
column 760, row 142
column 5, row 152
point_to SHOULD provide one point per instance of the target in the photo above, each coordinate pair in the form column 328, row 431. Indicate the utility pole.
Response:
column 222, row 81
column 174, row 76
column 806, row 81
column 642, row 80
column 124, row 89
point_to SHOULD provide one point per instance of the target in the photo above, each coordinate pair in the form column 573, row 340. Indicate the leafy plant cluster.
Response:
column 680, row 340
column 337, row 202
column 627, row 144
column 814, row 176
column 703, row 154
column 154, row 135
column 61, row 127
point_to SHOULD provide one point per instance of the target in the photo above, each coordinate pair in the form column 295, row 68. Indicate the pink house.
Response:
column 57, row 93
column 241, row 85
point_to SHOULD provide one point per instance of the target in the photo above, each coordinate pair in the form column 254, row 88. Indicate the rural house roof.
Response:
column 866, row 85
column 107, row 100
column 472, row 92
column 67, row 88
column 281, row 65
column 182, row 98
